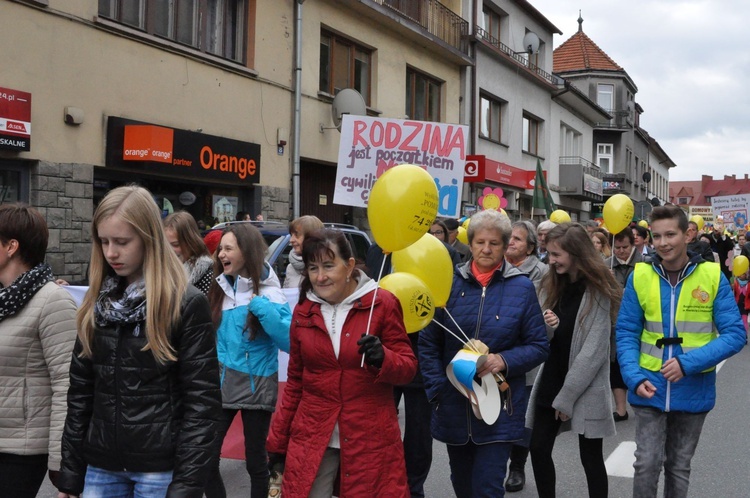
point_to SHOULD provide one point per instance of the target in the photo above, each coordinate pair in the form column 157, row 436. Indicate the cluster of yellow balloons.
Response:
column 401, row 208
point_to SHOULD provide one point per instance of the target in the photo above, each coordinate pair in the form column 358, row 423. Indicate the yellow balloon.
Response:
column 618, row 213
column 466, row 222
column 415, row 299
column 698, row 220
column 559, row 216
column 740, row 264
column 402, row 206
column 463, row 235
column 428, row 260
column 643, row 223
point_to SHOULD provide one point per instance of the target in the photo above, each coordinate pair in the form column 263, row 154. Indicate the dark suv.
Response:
column 277, row 237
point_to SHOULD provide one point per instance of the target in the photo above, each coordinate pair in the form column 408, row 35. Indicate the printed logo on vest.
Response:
column 701, row 295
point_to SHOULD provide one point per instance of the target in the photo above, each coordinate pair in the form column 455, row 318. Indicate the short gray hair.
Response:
column 531, row 239
column 546, row 226
column 492, row 220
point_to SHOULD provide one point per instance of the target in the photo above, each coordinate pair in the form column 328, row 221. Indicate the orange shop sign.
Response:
column 159, row 149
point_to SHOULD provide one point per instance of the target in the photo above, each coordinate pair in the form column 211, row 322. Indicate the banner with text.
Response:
column 734, row 209
column 370, row 146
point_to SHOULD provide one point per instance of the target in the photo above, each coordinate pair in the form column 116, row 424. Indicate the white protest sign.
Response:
column 370, row 146
column 734, row 209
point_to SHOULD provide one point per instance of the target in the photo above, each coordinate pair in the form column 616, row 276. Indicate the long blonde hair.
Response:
column 164, row 275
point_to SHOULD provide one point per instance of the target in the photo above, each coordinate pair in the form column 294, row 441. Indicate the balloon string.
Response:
column 612, row 259
column 457, row 326
column 468, row 343
column 372, row 308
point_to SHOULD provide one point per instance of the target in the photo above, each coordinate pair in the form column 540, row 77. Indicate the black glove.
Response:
column 372, row 348
column 53, row 476
column 276, row 462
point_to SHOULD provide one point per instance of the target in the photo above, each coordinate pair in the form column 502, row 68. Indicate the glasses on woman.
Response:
column 437, row 232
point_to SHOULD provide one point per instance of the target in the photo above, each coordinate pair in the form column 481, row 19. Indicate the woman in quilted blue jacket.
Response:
column 496, row 304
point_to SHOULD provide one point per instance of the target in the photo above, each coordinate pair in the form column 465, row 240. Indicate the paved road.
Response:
column 720, row 465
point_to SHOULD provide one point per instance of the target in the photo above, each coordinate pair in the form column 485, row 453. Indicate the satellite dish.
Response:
column 655, row 201
column 531, row 43
column 347, row 101
column 646, row 177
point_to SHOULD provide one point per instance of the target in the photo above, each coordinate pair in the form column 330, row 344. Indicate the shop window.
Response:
column 344, row 64
column 422, row 96
column 216, row 27
column 531, row 128
column 490, row 117
column 13, row 184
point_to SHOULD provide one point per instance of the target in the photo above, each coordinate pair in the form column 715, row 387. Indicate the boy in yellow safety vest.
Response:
column 677, row 321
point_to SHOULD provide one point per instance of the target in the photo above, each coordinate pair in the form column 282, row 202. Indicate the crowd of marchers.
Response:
column 132, row 392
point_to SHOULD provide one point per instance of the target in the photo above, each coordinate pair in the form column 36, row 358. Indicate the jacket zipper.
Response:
column 476, row 336
column 673, row 288
column 118, row 346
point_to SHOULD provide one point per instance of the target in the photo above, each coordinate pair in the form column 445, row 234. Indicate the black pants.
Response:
column 417, row 437
column 21, row 476
column 255, row 424
column 543, row 441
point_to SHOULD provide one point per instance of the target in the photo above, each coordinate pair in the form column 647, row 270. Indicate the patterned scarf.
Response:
column 115, row 308
column 16, row 295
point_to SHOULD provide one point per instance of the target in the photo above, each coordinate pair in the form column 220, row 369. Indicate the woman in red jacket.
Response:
column 337, row 418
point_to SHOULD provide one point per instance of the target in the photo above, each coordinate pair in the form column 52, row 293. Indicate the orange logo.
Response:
column 700, row 295
column 148, row 143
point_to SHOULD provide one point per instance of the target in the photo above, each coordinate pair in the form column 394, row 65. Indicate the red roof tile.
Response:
column 579, row 52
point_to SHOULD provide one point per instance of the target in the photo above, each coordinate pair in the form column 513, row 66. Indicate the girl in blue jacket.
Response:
column 253, row 319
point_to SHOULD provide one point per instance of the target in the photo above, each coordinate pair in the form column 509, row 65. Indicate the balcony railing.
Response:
column 518, row 57
column 434, row 17
column 621, row 119
column 589, row 168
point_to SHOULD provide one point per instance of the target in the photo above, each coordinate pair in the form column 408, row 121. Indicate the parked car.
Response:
column 277, row 237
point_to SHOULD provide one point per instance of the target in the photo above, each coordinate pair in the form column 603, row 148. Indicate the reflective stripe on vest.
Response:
column 693, row 320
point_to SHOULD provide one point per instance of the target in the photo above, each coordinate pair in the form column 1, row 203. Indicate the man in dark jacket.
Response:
column 698, row 246
column 453, row 241
column 721, row 244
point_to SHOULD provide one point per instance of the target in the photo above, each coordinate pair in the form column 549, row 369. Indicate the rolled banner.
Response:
column 485, row 397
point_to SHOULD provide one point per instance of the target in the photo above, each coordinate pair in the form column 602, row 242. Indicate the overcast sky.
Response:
column 691, row 63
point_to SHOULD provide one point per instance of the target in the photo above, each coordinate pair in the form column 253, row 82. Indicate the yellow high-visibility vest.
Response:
column 693, row 311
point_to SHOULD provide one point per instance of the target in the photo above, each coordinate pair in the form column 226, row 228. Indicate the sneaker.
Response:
column 618, row 417
column 274, row 485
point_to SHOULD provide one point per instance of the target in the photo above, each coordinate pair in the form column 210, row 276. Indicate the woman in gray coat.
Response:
column 37, row 332
column 580, row 298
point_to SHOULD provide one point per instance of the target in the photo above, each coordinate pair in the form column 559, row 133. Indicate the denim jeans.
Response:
column 102, row 483
column 665, row 439
column 478, row 470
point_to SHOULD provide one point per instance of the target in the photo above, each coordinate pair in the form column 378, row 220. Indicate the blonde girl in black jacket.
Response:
column 144, row 384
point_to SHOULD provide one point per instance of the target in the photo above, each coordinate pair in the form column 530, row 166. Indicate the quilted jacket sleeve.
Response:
column 431, row 344
column 731, row 338
column 400, row 364
column 198, row 372
column 80, row 408
column 57, row 332
column 281, row 423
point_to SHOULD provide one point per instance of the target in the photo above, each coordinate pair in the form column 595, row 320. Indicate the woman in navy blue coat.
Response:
column 495, row 303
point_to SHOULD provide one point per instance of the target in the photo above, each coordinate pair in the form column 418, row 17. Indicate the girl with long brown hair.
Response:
column 252, row 319
column 142, row 331
column 580, row 298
